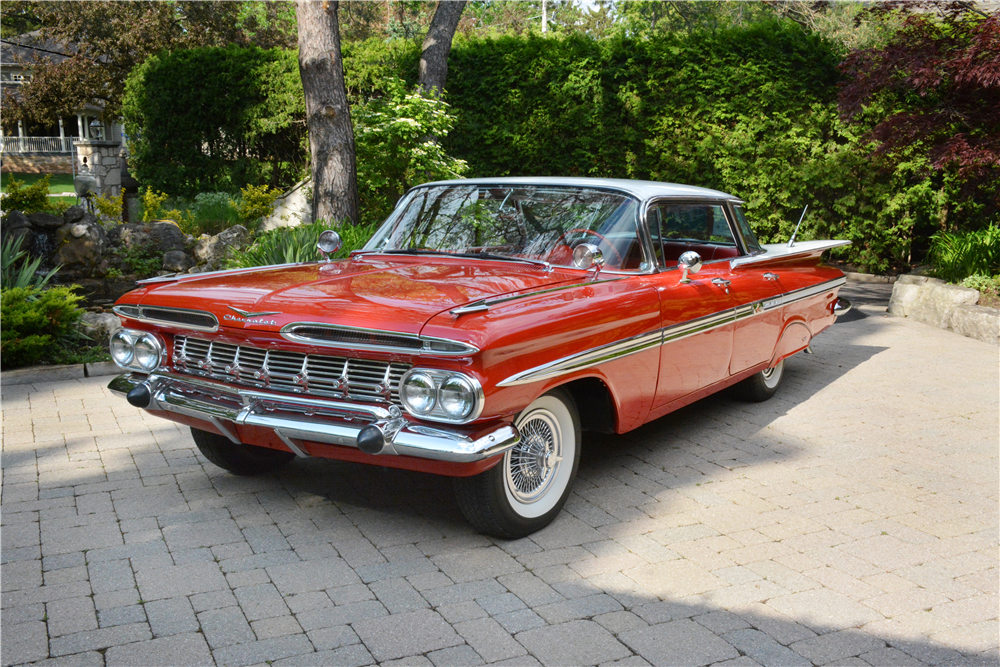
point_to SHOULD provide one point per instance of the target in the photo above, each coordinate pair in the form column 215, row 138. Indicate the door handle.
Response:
column 722, row 282
column 770, row 276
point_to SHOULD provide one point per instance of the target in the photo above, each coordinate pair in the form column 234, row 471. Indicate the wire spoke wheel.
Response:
column 530, row 484
column 533, row 464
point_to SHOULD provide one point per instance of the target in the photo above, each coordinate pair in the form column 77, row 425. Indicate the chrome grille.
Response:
column 314, row 374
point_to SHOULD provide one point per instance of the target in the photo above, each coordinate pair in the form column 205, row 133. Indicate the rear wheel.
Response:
column 527, row 489
column 761, row 386
column 237, row 458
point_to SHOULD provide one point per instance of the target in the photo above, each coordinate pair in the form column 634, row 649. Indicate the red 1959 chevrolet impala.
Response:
column 481, row 329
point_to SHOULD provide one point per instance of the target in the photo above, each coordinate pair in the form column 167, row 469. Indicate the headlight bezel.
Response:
column 440, row 378
column 132, row 338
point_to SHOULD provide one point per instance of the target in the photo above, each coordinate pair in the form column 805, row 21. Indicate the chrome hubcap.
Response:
column 532, row 464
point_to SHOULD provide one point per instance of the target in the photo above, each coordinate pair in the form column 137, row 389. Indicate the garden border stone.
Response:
column 935, row 302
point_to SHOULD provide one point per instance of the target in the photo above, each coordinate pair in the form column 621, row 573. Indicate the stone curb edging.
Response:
column 39, row 374
column 935, row 302
column 869, row 278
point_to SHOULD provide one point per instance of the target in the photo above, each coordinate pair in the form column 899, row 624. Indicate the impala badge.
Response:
column 250, row 318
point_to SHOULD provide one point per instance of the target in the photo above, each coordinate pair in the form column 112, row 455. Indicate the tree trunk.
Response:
column 437, row 44
column 331, row 137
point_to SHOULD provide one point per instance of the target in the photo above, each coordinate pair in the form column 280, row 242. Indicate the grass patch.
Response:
column 57, row 183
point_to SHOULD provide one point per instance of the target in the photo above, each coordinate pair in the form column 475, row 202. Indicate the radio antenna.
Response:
column 791, row 241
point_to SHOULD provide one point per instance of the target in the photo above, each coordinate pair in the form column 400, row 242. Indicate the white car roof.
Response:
column 639, row 189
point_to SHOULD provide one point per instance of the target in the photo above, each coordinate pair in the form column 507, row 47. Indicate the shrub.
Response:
column 18, row 270
column 985, row 284
column 256, row 203
column 152, row 202
column 109, row 208
column 397, row 136
column 956, row 256
column 291, row 245
column 34, row 321
column 27, row 199
column 242, row 123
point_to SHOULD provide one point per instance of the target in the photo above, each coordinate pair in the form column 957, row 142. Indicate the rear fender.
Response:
column 795, row 337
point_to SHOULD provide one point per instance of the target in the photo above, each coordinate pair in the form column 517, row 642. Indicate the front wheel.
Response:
column 238, row 459
column 527, row 489
column 761, row 386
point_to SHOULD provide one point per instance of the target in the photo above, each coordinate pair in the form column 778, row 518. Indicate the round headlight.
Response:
column 419, row 393
column 457, row 397
column 147, row 353
column 122, row 349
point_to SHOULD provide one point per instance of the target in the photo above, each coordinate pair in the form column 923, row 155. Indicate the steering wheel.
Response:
column 581, row 230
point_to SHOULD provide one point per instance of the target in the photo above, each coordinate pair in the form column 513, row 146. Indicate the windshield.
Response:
column 517, row 223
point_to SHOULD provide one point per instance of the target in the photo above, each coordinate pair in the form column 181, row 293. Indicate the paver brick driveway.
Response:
column 850, row 520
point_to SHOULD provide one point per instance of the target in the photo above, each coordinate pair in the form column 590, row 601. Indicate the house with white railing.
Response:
column 52, row 147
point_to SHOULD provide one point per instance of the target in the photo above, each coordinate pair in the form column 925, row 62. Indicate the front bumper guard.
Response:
column 299, row 418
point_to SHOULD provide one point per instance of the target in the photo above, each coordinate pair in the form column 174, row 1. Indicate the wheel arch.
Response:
column 795, row 337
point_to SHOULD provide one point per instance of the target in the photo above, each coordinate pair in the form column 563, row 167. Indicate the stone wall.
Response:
column 37, row 164
column 945, row 306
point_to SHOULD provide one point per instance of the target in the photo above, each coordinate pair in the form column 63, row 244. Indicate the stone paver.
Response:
column 850, row 520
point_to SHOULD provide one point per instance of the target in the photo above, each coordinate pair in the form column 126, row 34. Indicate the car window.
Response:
column 527, row 222
column 702, row 228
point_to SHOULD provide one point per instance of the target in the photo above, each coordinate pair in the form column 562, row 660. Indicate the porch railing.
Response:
column 38, row 144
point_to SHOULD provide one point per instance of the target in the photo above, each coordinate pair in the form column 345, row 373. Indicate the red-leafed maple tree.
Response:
column 935, row 85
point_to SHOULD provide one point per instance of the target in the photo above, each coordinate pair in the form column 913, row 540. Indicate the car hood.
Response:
column 400, row 294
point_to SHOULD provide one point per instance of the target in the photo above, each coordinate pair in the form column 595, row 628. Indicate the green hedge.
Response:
column 749, row 110
column 216, row 119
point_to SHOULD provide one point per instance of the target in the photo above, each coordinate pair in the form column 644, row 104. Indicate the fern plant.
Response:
column 25, row 275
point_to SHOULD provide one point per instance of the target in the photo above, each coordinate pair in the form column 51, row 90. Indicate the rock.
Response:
column 177, row 261
column 167, row 236
column 977, row 322
column 81, row 244
column 130, row 235
column 99, row 326
column 16, row 225
column 212, row 250
column 945, row 306
column 14, row 220
column 46, row 220
column 73, row 214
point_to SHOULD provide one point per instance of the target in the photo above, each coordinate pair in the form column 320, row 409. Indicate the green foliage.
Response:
column 242, row 123
column 256, row 202
column 396, row 147
column 34, row 321
column 27, row 198
column 17, row 270
column 143, row 260
column 957, row 256
column 109, row 208
column 985, row 284
column 152, row 202
column 289, row 245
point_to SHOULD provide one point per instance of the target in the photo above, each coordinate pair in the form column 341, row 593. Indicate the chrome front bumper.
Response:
column 300, row 418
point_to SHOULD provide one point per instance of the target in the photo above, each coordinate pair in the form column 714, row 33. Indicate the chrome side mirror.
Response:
column 690, row 262
column 329, row 243
column 586, row 256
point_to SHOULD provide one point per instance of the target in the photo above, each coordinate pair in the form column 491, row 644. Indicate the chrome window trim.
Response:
column 425, row 341
column 138, row 315
column 724, row 204
column 663, row 336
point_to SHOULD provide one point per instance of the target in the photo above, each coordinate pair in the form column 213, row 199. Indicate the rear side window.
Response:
column 749, row 239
